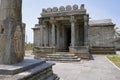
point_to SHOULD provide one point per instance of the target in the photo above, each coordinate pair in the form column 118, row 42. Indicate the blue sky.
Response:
column 97, row 9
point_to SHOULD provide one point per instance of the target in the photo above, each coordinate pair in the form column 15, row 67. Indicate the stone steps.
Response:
column 64, row 60
column 63, row 57
column 41, row 70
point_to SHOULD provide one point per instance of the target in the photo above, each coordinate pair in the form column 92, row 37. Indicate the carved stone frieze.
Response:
column 75, row 7
column 55, row 9
column 68, row 8
column 49, row 9
column 62, row 8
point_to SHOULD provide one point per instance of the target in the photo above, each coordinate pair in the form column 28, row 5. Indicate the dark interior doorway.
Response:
column 68, row 37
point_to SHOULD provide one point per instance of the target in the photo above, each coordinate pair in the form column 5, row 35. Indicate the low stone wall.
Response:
column 117, row 45
column 80, row 51
column 102, row 50
column 41, row 52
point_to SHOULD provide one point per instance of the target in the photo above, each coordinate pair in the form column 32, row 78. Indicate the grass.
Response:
column 115, row 60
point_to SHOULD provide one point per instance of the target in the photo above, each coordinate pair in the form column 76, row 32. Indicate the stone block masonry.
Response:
column 11, row 32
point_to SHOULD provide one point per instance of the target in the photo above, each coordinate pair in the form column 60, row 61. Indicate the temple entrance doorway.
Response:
column 68, row 37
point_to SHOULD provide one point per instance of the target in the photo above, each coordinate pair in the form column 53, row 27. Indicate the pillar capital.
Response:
column 72, row 19
column 52, row 20
column 43, row 23
column 86, row 18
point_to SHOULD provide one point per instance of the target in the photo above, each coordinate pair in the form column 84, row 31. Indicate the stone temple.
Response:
column 68, row 29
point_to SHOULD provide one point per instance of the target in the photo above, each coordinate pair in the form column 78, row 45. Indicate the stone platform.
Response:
column 29, row 69
column 102, row 50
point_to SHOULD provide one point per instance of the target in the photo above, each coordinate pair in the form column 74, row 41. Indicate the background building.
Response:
column 69, row 29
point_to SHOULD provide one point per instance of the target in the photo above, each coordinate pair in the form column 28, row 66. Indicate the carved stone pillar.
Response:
column 86, row 30
column 58, row 36
column 49, row 35
column 52, row 21
column 72, row 20
column 41, row 35
column 12, row 32
column 53, row 34
column 45, row 36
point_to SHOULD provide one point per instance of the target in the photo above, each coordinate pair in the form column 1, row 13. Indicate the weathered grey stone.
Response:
column 44, row 10
column 101, row 33
column 19, row 67
column 68, row 8
column 11, row 32
column 75, row 7
column 55, row 9
column 29, row 69
column 49, row 9
column 117, row 42
column 62, row 8
column 63, row 57
column 82, row 7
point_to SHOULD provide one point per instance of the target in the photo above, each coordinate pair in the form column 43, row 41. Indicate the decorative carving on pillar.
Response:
column 52, row 20
column 17, row 44
column 72, row 19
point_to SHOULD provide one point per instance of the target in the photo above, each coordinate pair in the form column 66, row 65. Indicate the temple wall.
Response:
column 117, row 45
column 101, row 36
column 81, row 37
column 36, row 37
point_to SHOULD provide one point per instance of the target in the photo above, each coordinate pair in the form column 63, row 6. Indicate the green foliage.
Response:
column 28, row 46
column 115, row 60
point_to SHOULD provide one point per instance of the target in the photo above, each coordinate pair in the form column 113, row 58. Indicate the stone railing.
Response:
column 63, row 9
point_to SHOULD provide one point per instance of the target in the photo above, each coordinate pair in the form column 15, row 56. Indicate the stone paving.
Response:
column 98, row 69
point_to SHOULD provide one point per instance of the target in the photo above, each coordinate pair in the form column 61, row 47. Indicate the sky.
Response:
column 97, row 9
